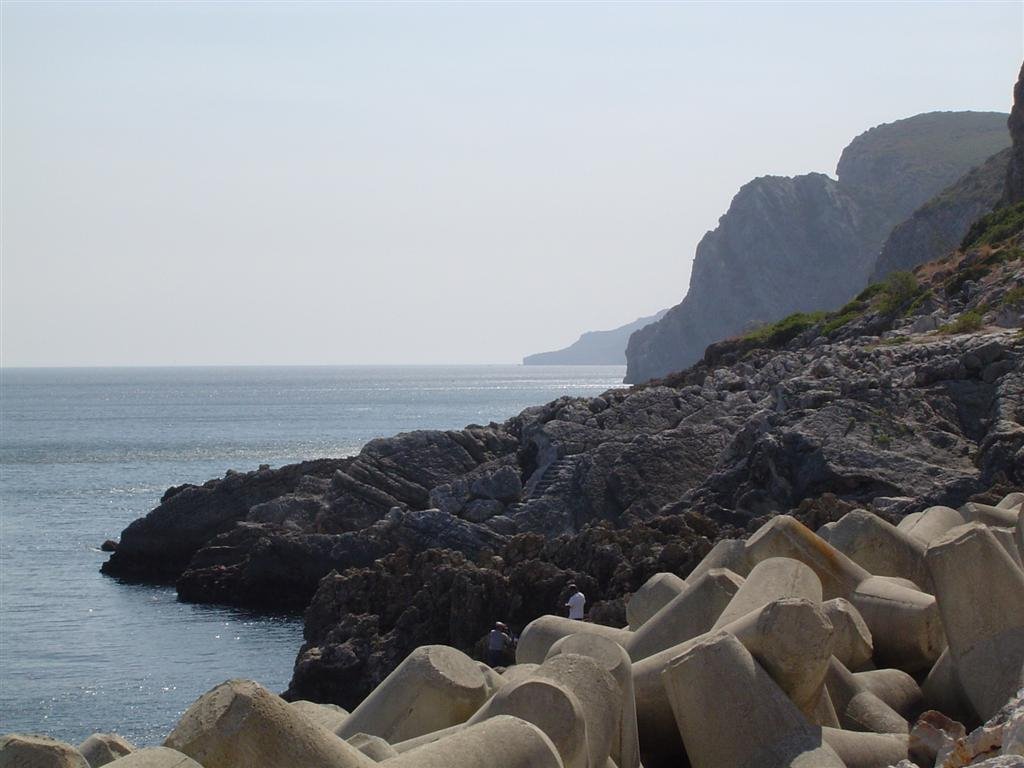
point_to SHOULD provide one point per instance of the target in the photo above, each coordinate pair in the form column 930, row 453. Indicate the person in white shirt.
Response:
column 577, row 600
column 499, row 641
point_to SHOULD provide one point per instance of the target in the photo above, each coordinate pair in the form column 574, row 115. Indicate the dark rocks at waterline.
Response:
column 364, row 621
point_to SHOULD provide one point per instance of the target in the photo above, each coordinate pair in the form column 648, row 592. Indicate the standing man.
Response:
column 499, row 641
column 577, row 600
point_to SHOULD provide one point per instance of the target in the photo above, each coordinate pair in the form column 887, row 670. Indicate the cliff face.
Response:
column 809, row 243
column 941, row 223
column 1015, row 171
column 595, row 347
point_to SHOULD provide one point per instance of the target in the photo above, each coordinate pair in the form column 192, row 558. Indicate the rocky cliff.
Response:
column 940, row 224
column 1015, row 171
column 809, row 243
column 595, row 347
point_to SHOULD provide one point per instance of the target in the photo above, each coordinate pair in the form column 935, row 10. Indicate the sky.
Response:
column 201, row 183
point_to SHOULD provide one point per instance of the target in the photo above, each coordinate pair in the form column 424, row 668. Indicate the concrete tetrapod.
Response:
column 540, row 634
column 599, row 695
column 551, row 707
column 791, row 638
column 731, row 714
column 772, row 579
column 20, row 750
column 981, row 596
column 983, row 513
column 858, row 749
column 690, row 613
column 625, row 749
column 330, row 716
column 1008, row 541
column 1018, row 535
column 433, row 688
column 727, row 553
column 518, row 672
column 155, row 757
column 374, row 747
column 857, row 707
column 930, row 524
column 1012, row 500
column 102, row 748
column 896, row 688
column 498, row 741
column 904, row 623
column 942, row 692
column 652, row 596
column 880, row 547
column 241, row 723
column 851, row 641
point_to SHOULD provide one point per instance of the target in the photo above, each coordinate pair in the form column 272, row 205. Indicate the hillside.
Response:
column 595, row 347
column 941, row 223
column 809, row 243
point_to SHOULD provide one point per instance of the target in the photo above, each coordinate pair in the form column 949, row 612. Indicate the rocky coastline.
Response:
column 805, row 550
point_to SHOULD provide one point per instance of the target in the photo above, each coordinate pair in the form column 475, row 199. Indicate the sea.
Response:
column 85, row 451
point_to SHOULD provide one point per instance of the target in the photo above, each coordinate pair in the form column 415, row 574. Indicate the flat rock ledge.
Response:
column 862, row 645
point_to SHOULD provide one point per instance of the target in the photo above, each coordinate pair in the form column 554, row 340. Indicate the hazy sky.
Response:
column 215, row 183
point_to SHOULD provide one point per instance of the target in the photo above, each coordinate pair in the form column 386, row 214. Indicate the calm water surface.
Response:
column 83, row 452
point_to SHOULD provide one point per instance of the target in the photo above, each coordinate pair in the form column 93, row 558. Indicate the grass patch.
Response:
column 956, row 283
column 968, row 322
column 995, row 227
column 892, row 341
column 838, row 322
column 787, row 329
column 1012, row 296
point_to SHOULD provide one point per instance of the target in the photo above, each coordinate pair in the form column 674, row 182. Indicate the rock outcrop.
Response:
column 595, row 347
column 809, row 243
column 1015, row 172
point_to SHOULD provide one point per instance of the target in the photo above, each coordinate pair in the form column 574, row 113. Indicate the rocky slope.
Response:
column 595, row 347
column 809, row 243
column 940, row 224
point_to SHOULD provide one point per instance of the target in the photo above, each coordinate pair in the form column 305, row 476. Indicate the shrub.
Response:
column 968, row 322
column 898, row 289
column 995, row 227
column 777, row 334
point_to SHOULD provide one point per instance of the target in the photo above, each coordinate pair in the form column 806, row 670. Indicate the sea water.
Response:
column 83, row 452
